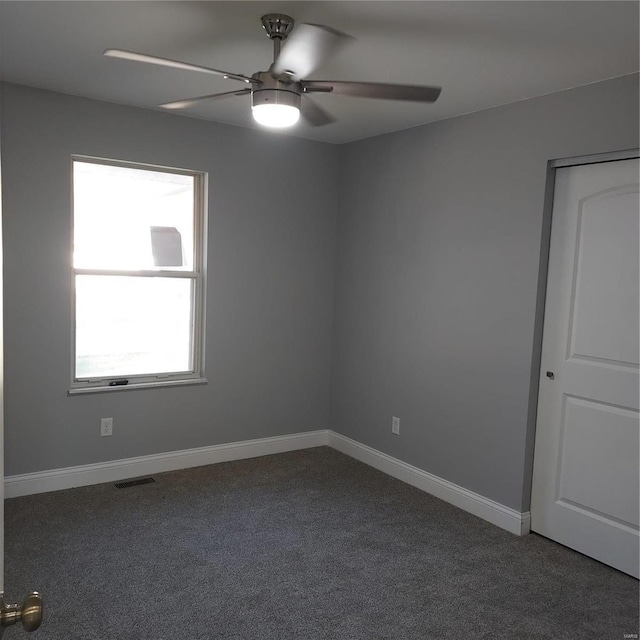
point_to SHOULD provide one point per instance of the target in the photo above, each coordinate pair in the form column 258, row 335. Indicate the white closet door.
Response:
column 585, row 482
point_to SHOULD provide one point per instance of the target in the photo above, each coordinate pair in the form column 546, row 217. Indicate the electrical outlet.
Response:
column 395, row 425
column 106, row 427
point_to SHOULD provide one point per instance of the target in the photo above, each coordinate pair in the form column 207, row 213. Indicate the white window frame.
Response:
column 197, row 276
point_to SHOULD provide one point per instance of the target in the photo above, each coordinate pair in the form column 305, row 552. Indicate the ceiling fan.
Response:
column 276, row 93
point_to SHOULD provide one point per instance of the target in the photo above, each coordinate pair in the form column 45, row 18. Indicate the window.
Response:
column 138, row 276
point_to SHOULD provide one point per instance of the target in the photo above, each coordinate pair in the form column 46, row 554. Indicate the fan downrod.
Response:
column 278, row 26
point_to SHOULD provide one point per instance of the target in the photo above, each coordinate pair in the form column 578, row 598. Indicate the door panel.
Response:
column 606, row 278
column 597, row 464
column 585, row 485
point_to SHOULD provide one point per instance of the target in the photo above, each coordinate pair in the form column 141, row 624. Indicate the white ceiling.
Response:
column 482, row 53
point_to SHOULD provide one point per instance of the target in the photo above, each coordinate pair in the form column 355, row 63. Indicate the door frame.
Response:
column 541, row 296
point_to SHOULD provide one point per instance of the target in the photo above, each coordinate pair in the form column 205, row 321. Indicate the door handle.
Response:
column 29, row 612
column 551, row 375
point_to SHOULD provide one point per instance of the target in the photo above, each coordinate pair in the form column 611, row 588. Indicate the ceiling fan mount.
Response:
column 276, row 94
column 277, row 25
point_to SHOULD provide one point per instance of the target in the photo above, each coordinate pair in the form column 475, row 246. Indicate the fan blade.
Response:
column 165, row 62
column 308, row 46
column 314, row 114
column 189, row 102
column 413, row 93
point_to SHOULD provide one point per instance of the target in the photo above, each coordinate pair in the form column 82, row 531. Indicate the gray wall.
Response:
column 439, row 237
column 273, row 202
column 439, row 234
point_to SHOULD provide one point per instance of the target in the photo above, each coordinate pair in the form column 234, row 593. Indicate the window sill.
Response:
column 136, row 385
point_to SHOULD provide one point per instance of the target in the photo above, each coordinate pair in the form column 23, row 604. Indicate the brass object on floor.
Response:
column 29, row 612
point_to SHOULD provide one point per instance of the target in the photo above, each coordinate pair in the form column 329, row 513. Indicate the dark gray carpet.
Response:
column 303, row 545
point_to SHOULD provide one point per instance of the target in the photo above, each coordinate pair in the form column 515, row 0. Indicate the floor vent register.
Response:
column 125, row 484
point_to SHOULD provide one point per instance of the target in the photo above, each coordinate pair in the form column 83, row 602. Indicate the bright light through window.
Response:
column 132, row 326
column 137, row 273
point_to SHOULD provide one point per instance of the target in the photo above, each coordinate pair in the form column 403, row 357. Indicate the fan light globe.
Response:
column 275, row 115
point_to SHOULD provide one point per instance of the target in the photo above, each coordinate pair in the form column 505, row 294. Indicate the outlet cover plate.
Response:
column 106, row 427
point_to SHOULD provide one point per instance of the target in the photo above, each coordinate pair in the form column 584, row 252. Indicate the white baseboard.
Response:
column 489, row 510
column 56, row 479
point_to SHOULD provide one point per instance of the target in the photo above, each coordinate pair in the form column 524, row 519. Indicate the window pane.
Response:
column 128, row 325
column 127, row 218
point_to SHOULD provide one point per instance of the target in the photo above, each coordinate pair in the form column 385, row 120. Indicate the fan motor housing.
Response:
column 275, row 91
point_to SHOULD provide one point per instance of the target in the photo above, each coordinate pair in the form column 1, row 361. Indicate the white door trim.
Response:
column 595, row 158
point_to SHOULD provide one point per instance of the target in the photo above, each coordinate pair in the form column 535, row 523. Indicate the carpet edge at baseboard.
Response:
column 113, row 470
column 57, row 479
column 498, row 514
